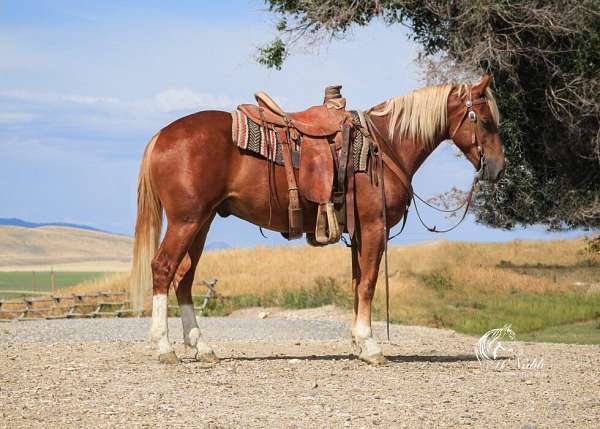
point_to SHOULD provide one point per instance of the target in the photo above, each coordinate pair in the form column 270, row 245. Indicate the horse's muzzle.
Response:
column 493, row 169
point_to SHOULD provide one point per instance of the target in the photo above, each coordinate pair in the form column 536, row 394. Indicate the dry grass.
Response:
column 261, row 269
column 466, row 286
column 114, row 283
column 265, row 269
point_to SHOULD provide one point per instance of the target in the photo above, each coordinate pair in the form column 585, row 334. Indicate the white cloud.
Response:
column 172, row 100
column 167, row 101
column 53, row 98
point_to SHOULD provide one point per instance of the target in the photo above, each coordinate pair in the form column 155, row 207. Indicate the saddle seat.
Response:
column 316, row 121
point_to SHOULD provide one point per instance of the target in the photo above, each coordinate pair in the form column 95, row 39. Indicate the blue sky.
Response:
column 84, row 85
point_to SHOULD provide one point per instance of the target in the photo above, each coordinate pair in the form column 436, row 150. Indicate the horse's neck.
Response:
column 410, row 153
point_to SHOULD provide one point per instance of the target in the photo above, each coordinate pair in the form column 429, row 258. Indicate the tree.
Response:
column 545, row 59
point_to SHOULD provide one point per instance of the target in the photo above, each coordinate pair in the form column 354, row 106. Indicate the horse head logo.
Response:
column 489, row 346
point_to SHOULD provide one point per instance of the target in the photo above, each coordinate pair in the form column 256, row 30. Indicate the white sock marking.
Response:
column 159, row 332
column 362, row 330
column 192, row 336
column 191, row 331
column 363, row 334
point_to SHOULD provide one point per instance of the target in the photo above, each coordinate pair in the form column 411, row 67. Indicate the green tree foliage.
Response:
column 545, row 59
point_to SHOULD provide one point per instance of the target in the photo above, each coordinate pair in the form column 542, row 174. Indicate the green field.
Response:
column 575, row 333
column 17, row 284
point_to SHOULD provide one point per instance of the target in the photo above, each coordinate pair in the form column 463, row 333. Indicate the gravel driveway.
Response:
column 283, row 373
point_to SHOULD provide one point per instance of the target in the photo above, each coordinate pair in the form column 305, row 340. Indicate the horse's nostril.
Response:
column 501, row 173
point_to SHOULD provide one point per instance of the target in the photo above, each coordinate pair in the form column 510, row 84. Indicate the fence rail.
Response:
column 85, row 305
column 104, row 303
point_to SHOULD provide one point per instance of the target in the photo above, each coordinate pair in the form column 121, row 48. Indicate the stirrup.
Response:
column 327, row 230
column 312, row 241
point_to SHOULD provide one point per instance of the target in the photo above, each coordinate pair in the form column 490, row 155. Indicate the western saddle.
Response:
column 325, row 174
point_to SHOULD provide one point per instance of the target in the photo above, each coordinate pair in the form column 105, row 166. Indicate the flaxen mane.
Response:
column 422, row 115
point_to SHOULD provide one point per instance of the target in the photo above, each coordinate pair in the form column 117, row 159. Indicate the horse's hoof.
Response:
column 169, row 358
column 207, row 357
column 368, row 351
column 376, row 359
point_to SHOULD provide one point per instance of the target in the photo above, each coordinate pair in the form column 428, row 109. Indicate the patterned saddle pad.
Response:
column 250, row 136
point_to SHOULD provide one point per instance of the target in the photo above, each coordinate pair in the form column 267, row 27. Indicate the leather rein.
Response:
column 387, row 157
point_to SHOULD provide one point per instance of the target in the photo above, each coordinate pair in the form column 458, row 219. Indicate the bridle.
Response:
column 470, row 113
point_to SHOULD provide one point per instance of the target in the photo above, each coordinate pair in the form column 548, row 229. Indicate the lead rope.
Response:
column 385, row 246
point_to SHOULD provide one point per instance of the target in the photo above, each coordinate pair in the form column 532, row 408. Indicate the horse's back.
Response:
column 216, row 123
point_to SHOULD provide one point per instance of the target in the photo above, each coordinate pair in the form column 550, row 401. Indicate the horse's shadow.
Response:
column 397, row 358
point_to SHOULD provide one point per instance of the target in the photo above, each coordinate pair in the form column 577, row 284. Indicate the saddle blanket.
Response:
column 250, row 136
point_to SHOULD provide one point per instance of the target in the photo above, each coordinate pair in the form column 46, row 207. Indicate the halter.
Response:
column 473, row 118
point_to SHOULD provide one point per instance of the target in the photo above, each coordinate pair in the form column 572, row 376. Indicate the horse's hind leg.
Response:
column 177, row 241
column 192, row 337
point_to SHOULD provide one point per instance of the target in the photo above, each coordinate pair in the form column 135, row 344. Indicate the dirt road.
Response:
column 283, row 373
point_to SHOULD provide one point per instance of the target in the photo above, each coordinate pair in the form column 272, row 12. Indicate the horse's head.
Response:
column 473, row 126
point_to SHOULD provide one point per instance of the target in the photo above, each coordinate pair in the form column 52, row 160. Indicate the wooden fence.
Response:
column 77, row 305
column 81, row 305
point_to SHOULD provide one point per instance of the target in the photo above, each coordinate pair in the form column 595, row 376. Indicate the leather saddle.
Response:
column 316, row 121
column 323, row 134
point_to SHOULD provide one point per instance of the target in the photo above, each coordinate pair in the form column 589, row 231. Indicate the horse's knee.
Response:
column 366, row 290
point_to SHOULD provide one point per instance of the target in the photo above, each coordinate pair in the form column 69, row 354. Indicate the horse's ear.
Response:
column 484, row 82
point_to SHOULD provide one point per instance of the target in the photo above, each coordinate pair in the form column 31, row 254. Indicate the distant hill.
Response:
column 38, row 246
column 64, row 248
column 26, row 224
column 216, row 245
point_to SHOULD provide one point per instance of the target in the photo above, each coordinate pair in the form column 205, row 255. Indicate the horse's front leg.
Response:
column 365, row 267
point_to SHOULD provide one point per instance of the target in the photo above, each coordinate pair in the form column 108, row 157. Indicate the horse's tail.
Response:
column 147, row 231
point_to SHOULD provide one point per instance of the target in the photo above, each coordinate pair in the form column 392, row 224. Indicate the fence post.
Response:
column 52, row 280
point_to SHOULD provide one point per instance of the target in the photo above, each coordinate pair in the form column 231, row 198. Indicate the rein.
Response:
column 388, row 158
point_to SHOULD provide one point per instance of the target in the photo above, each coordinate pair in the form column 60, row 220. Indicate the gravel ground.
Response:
column 288, row 373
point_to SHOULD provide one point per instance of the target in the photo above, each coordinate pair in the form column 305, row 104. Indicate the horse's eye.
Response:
column 488, row 125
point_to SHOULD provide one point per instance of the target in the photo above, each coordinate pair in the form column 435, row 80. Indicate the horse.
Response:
column 192, row 170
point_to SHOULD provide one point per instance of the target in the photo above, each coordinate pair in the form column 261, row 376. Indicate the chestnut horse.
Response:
column 192, row 170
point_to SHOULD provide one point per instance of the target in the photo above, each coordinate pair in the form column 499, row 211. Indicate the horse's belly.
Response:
column 252, row 205
column 255, row 209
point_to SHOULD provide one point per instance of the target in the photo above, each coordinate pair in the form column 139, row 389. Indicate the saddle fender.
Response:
column 316, row 170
